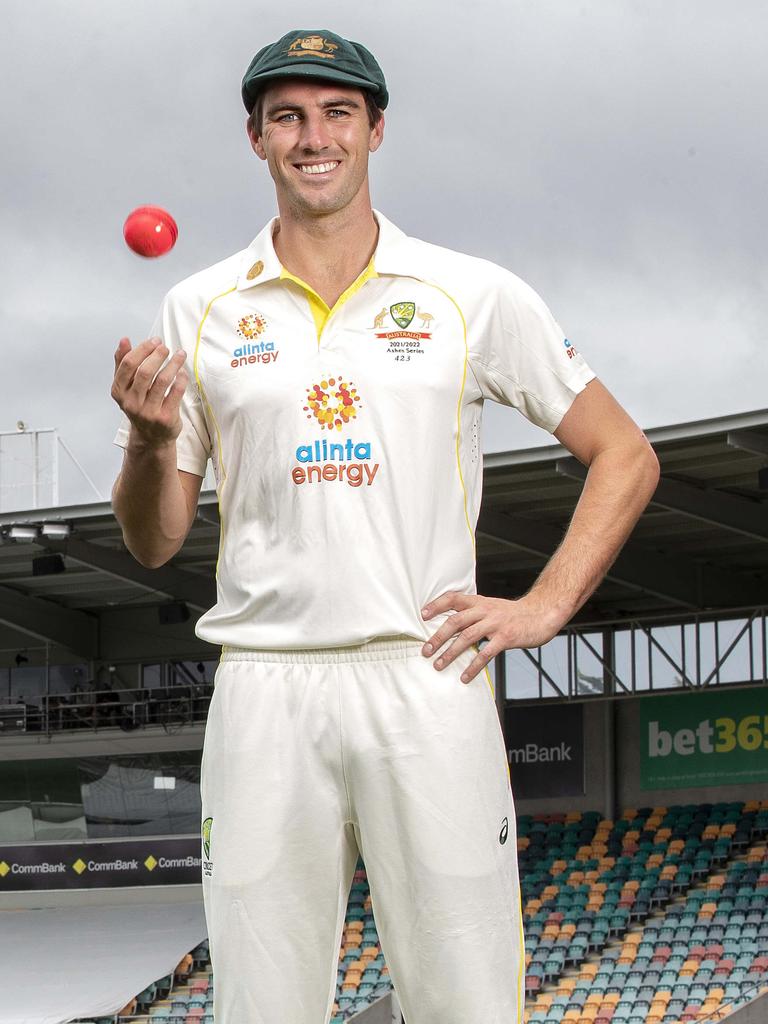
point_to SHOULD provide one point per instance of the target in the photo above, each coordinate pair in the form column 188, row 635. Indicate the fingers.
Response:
column 451, row 601
column 123, row 348
column 480, row 662
column 460, row 622
column 167, row 376
column 146, row 372
column 464, row 641
column 149, row 387
column 141, row 376
column 129, row 362
column 482, row 618
column 527, row 622
column 172, row 400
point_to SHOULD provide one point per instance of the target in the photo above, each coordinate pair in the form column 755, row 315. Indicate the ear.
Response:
column 377, row 135
column 255, row 141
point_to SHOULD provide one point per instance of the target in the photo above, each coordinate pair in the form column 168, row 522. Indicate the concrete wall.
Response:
column 386, row 1011
column 102, row 743
column 383, row 1011
column 755, row 1012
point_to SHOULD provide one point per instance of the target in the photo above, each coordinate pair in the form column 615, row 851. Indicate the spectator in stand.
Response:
column 78, row 713
column 183, row 968
column 108, row 707
column 33, row 716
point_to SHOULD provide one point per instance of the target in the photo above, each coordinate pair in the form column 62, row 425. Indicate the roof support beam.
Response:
column 748, row 441
column 728, row 511
column 651, row 574
column 77, row 631
column 740, row 515
column 668, row 577
column 197, row 591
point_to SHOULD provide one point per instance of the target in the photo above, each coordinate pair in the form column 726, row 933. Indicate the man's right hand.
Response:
column 139, row 388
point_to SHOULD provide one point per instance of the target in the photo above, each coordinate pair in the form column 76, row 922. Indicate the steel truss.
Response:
column 631, row 656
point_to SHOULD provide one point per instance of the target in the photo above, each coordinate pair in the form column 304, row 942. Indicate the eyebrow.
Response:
column 326, row 104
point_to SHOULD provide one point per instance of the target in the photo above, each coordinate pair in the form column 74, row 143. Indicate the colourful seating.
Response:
column 701, row 954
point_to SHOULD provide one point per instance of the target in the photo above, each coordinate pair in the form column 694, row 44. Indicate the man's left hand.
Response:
column 505, row 624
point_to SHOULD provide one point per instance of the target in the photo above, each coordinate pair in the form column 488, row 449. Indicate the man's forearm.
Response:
column 619, row 484
column 150, row 504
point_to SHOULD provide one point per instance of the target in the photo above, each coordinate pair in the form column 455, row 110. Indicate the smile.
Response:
column 318, row 168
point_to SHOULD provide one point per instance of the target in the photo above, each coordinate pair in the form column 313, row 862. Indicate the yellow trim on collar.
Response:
column 321, row 311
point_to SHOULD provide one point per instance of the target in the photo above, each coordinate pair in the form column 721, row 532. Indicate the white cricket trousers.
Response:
column 313, row 756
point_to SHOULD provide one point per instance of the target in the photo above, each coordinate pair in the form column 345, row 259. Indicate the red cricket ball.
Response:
column 150, row 231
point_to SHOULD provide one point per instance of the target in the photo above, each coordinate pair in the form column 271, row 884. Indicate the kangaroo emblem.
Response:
column 426, row 318
column 317, row 43
column 378, row 320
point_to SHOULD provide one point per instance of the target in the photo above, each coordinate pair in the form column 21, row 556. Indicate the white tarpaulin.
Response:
column 60, row 964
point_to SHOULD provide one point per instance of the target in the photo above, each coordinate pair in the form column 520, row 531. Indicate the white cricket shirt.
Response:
column 346, row 443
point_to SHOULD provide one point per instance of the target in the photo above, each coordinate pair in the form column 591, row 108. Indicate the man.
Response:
column 338, row 371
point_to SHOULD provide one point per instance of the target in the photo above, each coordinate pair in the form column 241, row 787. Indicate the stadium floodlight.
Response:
column 23, row 533
column 56, row 531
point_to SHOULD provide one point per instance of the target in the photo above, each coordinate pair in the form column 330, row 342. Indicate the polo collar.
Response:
column 260, row 262
column 394, row 255
column 393, row 250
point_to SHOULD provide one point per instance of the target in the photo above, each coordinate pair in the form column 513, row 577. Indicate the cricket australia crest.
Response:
column 402, row 313
column 403, row 343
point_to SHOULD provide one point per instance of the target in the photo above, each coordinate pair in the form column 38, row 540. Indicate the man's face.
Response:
column 316, row 139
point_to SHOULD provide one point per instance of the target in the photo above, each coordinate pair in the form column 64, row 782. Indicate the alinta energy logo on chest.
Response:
column 333, row 404
column 250, row 328
column 403, row 344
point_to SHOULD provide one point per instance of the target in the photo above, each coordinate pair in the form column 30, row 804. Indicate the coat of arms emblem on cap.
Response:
column 316, row 46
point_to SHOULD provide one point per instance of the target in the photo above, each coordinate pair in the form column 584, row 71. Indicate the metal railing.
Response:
column 749, row 991
column 170, row 707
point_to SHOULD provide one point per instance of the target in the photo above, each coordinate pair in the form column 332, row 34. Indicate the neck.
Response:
column 330, row 251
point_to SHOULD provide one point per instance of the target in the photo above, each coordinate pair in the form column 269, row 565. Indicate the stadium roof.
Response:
column 701, row 546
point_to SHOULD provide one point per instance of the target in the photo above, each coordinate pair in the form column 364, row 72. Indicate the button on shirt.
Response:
column 346, row 442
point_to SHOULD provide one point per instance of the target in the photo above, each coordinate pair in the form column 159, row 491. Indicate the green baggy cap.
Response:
column 315, row 54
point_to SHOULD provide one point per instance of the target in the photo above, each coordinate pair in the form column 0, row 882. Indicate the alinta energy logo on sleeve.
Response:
column 333, row 404
column 250, row 328
column 570, row 349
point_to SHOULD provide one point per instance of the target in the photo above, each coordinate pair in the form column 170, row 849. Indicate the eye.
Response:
column 287, row 117
column 337, row 113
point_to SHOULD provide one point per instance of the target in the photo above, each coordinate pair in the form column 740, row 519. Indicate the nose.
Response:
column 314, row 135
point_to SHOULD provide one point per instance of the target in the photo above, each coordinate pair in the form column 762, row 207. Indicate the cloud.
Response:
column 608, row 154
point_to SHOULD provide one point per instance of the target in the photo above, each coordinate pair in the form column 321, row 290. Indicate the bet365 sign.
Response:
column 704, row 739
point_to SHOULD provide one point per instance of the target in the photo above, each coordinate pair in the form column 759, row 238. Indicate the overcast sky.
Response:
column 613, row 154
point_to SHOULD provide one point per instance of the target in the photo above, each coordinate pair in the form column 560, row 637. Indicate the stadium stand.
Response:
column 186, row 996
column 659, row 917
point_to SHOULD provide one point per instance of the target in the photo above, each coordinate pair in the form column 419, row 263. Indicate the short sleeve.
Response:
column 193, row 445
column 522, row 358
